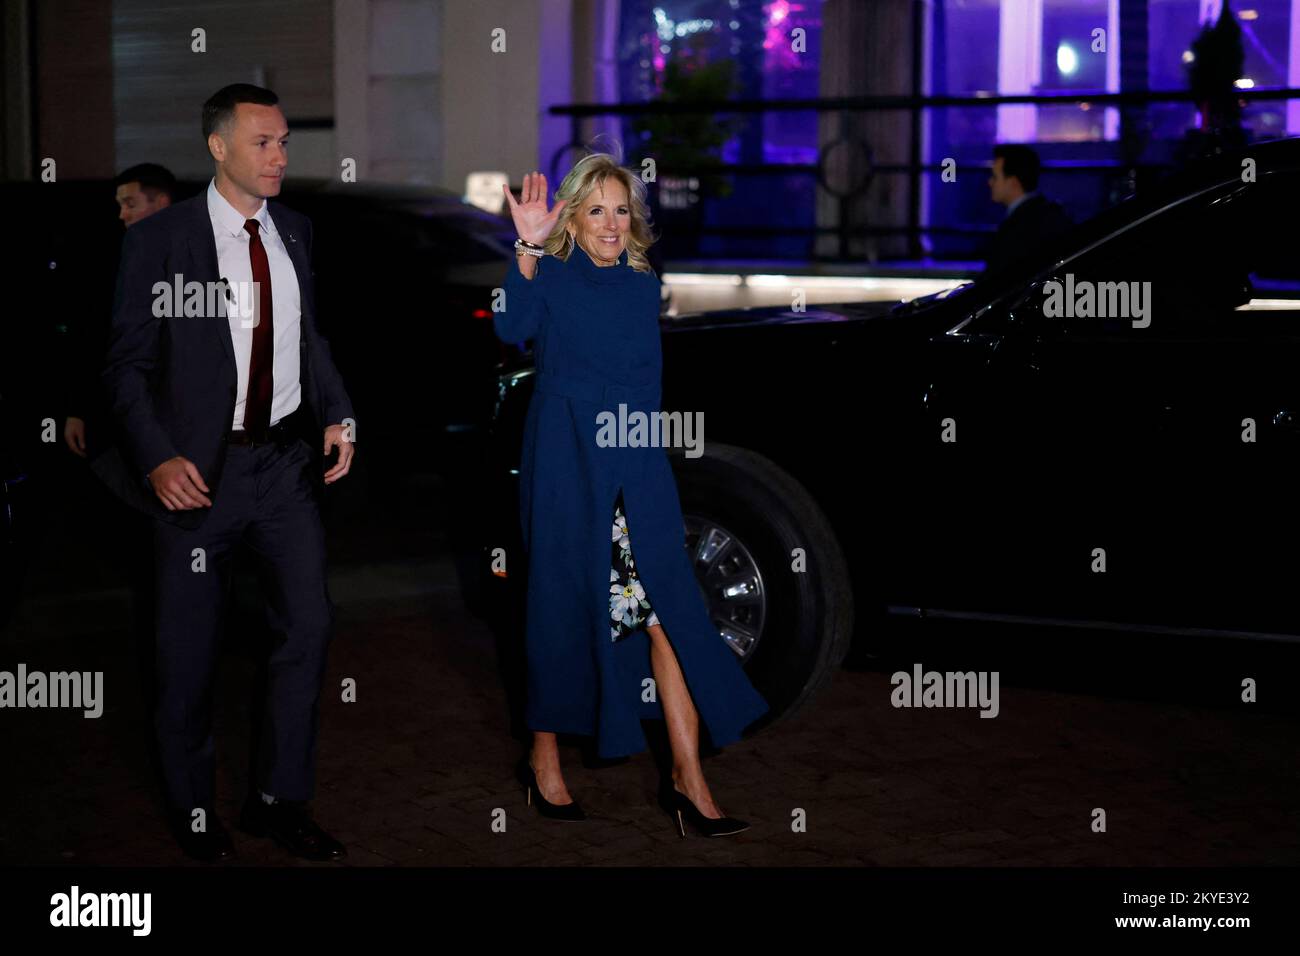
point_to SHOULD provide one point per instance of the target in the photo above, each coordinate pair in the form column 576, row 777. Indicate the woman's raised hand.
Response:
column 533, row 222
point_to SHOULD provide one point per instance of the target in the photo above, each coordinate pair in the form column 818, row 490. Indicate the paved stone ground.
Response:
column 414, row 771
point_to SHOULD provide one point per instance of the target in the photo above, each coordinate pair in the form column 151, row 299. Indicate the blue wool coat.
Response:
column 596, row 345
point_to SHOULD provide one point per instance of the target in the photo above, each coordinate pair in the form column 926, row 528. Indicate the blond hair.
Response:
column 588, row 174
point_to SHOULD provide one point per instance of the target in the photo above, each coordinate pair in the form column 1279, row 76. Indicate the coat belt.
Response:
column 606, row 395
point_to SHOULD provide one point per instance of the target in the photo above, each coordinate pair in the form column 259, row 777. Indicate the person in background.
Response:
column 141, row 191
column 1032, row 220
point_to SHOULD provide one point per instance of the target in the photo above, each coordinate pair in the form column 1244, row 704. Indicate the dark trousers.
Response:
column 265, row 500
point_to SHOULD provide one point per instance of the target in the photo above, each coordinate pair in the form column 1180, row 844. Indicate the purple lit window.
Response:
column 771, row 61
column 1270, row 30
column 774, row 49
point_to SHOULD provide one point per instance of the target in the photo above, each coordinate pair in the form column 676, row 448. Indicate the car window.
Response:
column 1216, row 263
column 1199, row 269
column 1274, row 266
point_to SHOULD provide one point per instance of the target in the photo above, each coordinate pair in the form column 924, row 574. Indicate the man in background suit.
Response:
column 141, row 191
column 1032, row 221
column 225, row 418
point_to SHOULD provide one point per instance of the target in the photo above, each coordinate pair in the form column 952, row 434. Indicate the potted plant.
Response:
column 681, row 143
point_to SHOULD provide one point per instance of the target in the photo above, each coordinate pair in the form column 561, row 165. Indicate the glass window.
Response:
column 726, row 49
column 1266, row 42
column 1206, row 265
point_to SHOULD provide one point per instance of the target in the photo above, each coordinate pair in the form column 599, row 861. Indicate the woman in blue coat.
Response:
column 617, row 630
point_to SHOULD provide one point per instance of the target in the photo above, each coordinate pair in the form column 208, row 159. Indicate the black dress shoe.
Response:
column 211, row 846
column 680, row 807
column 288, row 823
column 566, row 812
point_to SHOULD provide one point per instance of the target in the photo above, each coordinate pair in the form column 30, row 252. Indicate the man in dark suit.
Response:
column 141, row 191
column 228, row 401
column 1032, row 221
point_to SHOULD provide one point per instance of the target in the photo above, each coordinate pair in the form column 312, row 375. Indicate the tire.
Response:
column 807, row 617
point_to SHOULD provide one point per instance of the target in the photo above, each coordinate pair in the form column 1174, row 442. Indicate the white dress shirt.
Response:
column 237, row 268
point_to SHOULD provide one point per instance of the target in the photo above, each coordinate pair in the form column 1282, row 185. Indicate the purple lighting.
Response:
column 776, row 37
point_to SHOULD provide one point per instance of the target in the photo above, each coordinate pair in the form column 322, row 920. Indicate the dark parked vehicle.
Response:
column 1094, row 453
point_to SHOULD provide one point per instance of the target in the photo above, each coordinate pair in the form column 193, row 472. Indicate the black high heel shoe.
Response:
column 567, row 812
column 679, row 806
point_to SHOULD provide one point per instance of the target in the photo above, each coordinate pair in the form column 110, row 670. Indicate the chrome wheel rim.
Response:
column 730, row 581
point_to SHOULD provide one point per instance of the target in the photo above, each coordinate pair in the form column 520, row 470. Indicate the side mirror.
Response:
column 1025, row 314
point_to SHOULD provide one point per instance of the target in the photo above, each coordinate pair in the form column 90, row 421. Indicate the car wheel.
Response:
column 745, row 519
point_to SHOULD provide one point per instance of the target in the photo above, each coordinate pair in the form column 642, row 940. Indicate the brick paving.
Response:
column 416, row 770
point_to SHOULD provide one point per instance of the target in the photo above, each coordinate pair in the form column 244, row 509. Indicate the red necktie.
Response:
column 257, row 404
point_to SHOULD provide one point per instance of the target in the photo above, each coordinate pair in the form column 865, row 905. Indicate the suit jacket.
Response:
column 172, row 381
column 86, row 300
column 1035, row 223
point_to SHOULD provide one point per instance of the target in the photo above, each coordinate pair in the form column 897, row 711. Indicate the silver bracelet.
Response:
column 522, row 247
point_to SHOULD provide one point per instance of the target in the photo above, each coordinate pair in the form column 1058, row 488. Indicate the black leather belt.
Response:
column 278, row 434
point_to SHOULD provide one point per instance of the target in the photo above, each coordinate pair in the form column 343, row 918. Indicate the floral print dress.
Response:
column 629, row 610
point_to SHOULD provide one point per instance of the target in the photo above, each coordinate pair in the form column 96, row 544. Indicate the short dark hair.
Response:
column 1021, row 162
column 152, row 178
column 220, row 107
